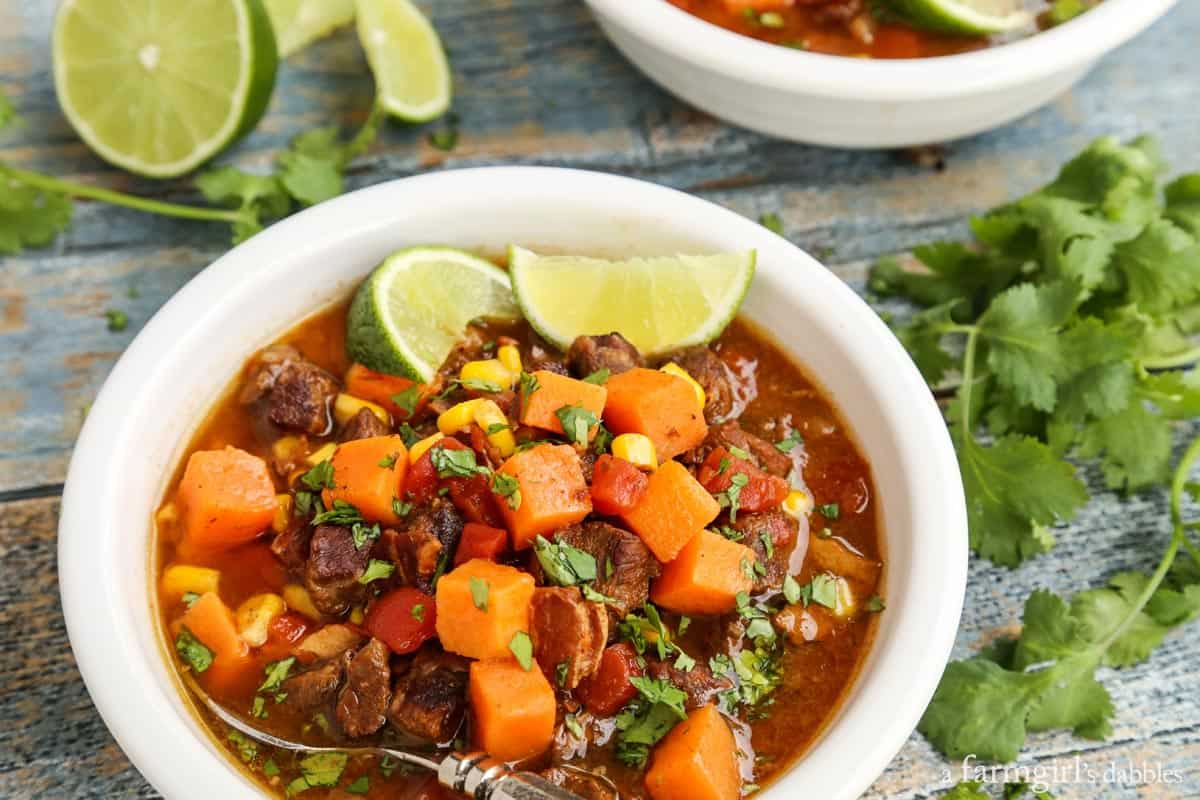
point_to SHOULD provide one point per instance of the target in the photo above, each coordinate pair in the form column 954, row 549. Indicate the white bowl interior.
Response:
column 179, row 365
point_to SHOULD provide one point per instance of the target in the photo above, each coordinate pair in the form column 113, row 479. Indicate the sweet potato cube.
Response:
column 554, row 493
column 226, row 498
column 656, row 404
column 673, row 509
column 480, row 607
column 554, row 391
column 369, row 474
column 705, row 577
column 696, row 761
column 513, row 709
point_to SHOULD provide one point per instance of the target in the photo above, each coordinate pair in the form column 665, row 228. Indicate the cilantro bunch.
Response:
column 35, row 208
column 1060, row 333
column 1057, row 323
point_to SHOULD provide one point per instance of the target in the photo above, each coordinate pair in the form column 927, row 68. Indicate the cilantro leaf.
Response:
column 577, row 423
column 563, row 564
column 1161, row 267
column 258, row 198
column 29, row 217
column 192, row 651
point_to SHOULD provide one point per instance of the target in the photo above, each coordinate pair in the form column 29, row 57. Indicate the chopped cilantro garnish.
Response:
column 189, row 598
column 455, row 463
column 247, row 749
column 599, row 376
column 117, row 320
column 388, row 462
column 479, row 593
column 478, row 385
column 522, row 647
column 360, row 785
column 276, row 672
column 270, row 768
column 319, row 477
column 573, row 725
column 563, row 564
column 418, row 612
column 508, row 487
column 342, row 513
column 407, row 400
column 602, row 440
column 497, row 427
column 791, row 590
column 731, row 497
column 830, row 511
column 408, row 434
column 377, row 570
column 875, row 604
column 192, row 651
column 738, row 452
column 577, row 423
column 789, row 442
column 527, row 385
column 400, row 507
column 258, row 707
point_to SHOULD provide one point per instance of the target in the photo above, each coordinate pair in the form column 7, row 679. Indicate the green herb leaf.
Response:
column 479, row 593
column 276, row 672
column 789, row 442
column 418, row 612
column 377, row 570
column 771, row 222
column 360, row 785
column 577, row 423
column 407, row 400
column 319, row 477
column 192, row 651
column 522, row 647
column 599, row 376
column 527, row 384
column 508, row 487
column 189, row 598
column 246, row 748
column 563, row 564
column 455, row 463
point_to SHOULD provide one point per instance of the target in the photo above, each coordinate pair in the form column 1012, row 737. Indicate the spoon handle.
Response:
column 482, row 777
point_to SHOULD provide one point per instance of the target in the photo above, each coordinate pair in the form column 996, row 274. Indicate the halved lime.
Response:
column 964, row 17
column 298, row 23
column 160, row 89
column 412, row 75
column 416, row 305
column 659, row 304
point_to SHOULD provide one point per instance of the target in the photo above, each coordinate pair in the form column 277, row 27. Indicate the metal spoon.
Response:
column 474, row 774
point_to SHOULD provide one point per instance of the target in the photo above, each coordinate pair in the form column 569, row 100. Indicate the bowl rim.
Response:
column 1083, row 39
column 174, row 752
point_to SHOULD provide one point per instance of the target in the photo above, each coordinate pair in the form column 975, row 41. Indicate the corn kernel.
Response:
column 297, row 599
column 637, row 449
column 510, row 357
column 255, row 615
column 680, row 372
column 283, row 512
column 323, row 453
column 489, row 415
column 798, row 504
column 458, row 417
column 347, row 406
column 490, row 371
column 422, row 447
column 357, row 616
column 288, row 448
column 179, row 579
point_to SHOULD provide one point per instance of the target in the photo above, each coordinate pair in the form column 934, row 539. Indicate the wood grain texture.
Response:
column 537, row 83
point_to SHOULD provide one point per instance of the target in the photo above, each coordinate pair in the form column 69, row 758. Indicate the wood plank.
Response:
column 52, row 743
column 537, row 84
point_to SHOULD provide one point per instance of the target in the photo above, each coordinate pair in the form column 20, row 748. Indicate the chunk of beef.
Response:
column 731, row 434
column 333, row 569
column 567, row 630
column 416, row 550
column 587, row 463
column 587, row 785
column 315, row 687
column 363, row 425
column 612, row 351
column 291, row 392
column 329, row 641
column 836, row 555
column 363, row 701
column 430, row 699
column 624, row 565
column 780, row 530
column 292, row 545
column 700, row 684
column 542, row 355
column 714, row 376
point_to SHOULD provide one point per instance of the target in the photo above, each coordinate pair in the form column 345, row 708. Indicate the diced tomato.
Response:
column 480, row 541
column 474, row 498
column 617, row 485
column 422, row 481
column 380, row 388
column 762, row 490
column 282, row 635
column 608, row 689
column 404, row 619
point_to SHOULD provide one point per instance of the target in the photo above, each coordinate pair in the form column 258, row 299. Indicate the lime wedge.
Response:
column 964, row 17
column 412, row 75
column 160, row 91
column 299, row 23
column 416, row 305
column 659, row 304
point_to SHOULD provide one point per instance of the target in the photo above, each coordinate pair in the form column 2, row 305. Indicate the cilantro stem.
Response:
column 968, row 379
column 1174, row 361
column 73, row 189
column 1178, row 537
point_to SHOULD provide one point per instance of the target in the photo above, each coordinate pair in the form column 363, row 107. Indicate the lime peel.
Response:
column 964, row 17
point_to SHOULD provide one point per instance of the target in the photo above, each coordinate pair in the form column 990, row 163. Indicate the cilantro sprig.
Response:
column 35, row 208
column 1059, row 317
column 1045, row 679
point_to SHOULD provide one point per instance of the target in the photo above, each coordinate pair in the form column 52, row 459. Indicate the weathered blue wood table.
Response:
column 537, row 83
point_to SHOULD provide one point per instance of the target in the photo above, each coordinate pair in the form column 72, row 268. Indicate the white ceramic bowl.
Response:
column 177, row 367
column 860, row 103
